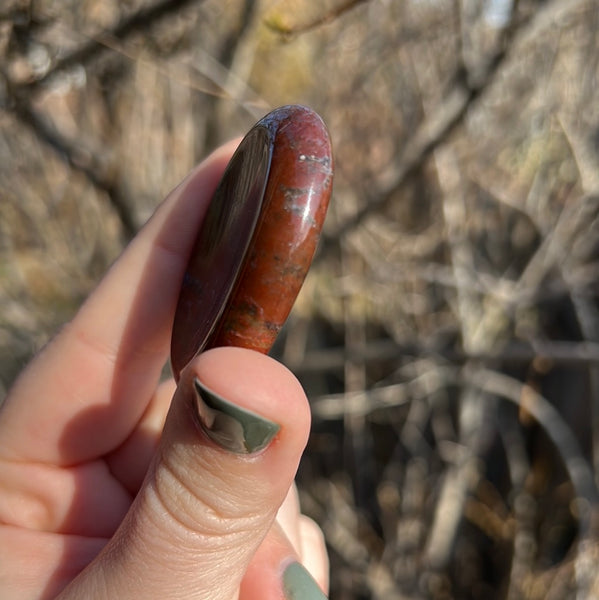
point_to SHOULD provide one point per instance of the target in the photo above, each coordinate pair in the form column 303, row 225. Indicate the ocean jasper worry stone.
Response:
column 258, row 238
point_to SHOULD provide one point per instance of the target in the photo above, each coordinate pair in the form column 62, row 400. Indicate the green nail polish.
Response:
column 233, row 428
column 298, row 584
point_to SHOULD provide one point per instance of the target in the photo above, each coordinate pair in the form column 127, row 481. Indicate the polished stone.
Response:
column 258, row 239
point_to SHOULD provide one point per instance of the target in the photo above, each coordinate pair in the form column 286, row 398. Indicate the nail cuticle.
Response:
column 233, row 428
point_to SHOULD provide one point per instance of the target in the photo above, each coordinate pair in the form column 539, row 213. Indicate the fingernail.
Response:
column 233, row 428
column 298, row 584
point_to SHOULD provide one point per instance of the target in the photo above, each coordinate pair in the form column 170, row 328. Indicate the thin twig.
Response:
column 434, row 132
column 140, row 20
column 576, row 354
column 578, row 468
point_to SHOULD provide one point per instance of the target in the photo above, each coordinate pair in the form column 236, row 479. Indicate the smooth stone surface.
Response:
column 220, row 248
column 258, row 239
column 282, row 249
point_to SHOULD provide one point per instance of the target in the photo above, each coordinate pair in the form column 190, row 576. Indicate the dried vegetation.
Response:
column 448, row 334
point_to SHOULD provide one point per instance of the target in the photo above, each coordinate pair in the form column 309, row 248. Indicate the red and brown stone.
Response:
column 258, row 239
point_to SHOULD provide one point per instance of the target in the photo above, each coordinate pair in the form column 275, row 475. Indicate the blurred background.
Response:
column 448, row 333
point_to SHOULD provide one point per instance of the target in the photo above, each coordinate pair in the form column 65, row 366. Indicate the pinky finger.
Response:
column 276, row 572
column 313, row 551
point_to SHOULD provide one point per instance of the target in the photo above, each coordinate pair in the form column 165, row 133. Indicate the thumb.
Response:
column 231, row 445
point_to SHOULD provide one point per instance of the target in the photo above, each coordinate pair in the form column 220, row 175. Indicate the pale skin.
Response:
column 103, row 494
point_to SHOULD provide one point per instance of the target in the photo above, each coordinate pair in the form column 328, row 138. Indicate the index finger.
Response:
column 85, row 392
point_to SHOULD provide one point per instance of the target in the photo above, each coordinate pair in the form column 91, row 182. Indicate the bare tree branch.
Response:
column 77, row 158
column 278, row 25
column 435, row 131
column 138, row 21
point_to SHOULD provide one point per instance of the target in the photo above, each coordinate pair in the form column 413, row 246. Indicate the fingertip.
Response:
column 257, row 383
column 277, row 572
column 306, row 537
column 185, row 206
column 288, row 518
column 240, row 420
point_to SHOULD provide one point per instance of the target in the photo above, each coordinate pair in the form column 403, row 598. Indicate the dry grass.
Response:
column 448, row 334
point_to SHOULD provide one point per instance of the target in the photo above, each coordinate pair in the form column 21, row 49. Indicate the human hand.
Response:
column 104, row 495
